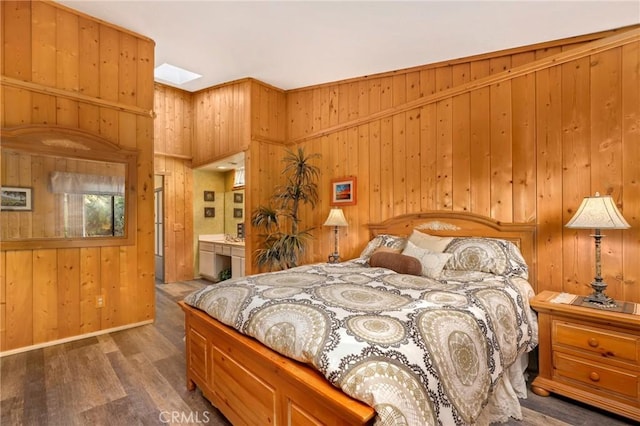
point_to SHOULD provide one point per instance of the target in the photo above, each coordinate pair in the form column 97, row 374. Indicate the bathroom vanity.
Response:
column 217, row 254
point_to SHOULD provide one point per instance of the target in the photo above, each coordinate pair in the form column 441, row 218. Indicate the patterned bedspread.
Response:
column 418, row 351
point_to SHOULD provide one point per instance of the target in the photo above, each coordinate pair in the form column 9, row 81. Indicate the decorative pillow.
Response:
column 397, row 262
column 382, row 240
column 493, row 255
column 429, row 242
column 432, row 263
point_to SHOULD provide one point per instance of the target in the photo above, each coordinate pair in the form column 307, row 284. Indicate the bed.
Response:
column 358, row 343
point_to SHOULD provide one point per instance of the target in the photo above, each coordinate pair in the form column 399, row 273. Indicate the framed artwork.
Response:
column 237, row 197
column 15, row 198
column 343, row 191
column 237, row 213
column 209, row 195
column 209, row 212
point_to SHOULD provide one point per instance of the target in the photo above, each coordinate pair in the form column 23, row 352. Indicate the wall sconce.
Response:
column 336, row 218
column 597, row 213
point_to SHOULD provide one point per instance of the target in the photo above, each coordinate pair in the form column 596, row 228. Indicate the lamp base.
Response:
column 598, row 298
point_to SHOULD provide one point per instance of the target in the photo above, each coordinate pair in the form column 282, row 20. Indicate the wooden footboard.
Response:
column 253, row 385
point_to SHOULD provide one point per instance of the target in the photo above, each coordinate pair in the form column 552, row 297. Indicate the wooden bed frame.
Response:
column 253, row 385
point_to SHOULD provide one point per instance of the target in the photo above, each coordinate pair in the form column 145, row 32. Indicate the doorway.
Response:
column 158, row 213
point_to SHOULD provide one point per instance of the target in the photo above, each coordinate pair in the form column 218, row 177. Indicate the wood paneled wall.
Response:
column 520, row 136
column 178, row 217
column 229, row 116
column 65, row 68
column 224, row 120
column 173, row 125
column 268, row 110
column 221, row 121
column 174, row 122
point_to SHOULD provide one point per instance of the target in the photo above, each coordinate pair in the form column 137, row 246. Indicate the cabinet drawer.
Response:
column 595, row 375
column 609, row 344
column 237, row 251
column 206, row 246
column 223, row 249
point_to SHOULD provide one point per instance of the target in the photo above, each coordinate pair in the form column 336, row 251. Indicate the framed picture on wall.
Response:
column 237, row 213
column 209, row 195
column 209, row 212
column 15, row 198
column 343, row 191
column 237, row 197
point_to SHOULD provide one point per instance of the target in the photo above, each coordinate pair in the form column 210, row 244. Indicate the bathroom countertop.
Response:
column 219, row 239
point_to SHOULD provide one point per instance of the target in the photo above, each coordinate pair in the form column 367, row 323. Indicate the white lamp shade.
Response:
column 336, row 218
column 598, row 212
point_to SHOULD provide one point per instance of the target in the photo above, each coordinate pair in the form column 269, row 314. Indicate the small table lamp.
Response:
column 335, row 219
column 597, row 213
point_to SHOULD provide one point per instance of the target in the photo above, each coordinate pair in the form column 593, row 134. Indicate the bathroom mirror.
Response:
column 64, row 187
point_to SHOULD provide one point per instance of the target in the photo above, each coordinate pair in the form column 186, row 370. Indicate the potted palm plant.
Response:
column 283, row 243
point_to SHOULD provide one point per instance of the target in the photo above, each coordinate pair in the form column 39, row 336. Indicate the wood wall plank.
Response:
column 109, row 48
column 630, row 171
column 67, row 69
column 19, row 298
column 428, row 173
column 3, row 301
column 576, row 155
column 444, row 154
column 523, row 146
column 43, row 71
column 549, row 175
column 480, row 143
column 461, row 147
column 90, row 318
column 501, row 152
column 68, row 289
column 88, row 68
column 45, row 296
column 145, row 284
column 606, row 151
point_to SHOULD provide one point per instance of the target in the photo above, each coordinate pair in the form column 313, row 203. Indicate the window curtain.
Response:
column 74, row 215
column 78, row 183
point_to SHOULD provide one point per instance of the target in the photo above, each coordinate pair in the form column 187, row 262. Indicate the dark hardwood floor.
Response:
column 137, row 377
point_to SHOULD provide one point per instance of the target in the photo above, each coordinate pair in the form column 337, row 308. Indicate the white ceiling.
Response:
column 292, row 44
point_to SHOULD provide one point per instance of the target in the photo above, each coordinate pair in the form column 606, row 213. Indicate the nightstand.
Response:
column 588, row 354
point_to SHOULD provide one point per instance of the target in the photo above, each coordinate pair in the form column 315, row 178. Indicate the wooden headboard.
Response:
column 462, row 224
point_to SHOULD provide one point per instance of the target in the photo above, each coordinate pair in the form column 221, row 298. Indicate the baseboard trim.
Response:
column 73, row 338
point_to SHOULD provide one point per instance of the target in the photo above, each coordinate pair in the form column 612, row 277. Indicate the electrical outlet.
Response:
column 99, row 301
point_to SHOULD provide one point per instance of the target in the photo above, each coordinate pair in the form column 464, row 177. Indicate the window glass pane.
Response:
column 103, row 215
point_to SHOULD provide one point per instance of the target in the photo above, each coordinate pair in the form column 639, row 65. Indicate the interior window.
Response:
column 93, row 215
column 103, row 215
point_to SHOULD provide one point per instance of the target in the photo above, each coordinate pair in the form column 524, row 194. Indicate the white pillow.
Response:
column 430, row 242
column 432, row 263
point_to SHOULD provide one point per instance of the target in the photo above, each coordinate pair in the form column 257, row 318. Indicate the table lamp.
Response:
column 335, row 219
column 598, row 213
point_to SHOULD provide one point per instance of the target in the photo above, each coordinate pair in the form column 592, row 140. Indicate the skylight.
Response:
column 174, row 75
